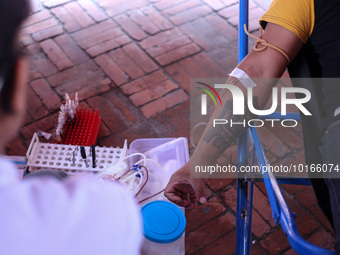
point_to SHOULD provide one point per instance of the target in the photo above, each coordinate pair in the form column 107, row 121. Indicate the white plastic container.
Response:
column 172, row 154
column 164, row 225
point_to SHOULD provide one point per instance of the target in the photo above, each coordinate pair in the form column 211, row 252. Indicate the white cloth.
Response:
column 79, row 216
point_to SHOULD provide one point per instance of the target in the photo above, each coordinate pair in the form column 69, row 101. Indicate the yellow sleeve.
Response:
column 295, row 15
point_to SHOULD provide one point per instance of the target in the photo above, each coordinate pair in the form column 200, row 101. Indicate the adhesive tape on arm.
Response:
column 243, row 78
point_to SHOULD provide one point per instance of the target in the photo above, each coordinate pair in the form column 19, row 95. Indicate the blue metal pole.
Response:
column 242, row 186
column 250, row 205
column 250, row 215
column 243, row 38
column 295, row 181
column 241, row 203
column 277, row 115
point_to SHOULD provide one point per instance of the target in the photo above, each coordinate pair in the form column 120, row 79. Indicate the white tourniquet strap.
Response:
column 243, row 78
column 337, row 111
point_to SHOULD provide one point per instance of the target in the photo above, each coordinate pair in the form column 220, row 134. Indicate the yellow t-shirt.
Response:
column 295, row 15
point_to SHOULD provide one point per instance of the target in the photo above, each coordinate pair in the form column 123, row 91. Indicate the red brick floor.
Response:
column 132, row 60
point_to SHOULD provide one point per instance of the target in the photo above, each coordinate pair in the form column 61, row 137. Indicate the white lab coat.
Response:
column 79, row 216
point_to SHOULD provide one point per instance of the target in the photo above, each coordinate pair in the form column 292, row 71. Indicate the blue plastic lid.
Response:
column 164, row 222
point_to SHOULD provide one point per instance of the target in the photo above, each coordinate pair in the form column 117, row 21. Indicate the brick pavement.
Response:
column 133, row 61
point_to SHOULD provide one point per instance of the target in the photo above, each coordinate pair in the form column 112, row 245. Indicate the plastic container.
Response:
column 164, row 225
column 170, row 153
column 145, row 144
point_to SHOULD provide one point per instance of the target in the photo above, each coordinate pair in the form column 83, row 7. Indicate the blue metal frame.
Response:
column 277, row 115
column 243, row 227
column 280, row 210
column 241, row 203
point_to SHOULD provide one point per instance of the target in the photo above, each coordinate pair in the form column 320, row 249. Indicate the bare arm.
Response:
column 265, row 64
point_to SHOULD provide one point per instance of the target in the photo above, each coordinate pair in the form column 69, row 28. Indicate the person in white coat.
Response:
column 47, row 215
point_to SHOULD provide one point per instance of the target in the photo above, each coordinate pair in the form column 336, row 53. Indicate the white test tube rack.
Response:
column 60, row 157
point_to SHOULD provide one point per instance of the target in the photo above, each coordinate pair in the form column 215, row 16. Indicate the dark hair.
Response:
column 12, row 15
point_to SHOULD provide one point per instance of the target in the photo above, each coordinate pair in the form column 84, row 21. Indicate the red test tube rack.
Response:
column 83, row 130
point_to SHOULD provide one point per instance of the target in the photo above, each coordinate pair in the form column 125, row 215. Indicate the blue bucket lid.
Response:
column 164, row 222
